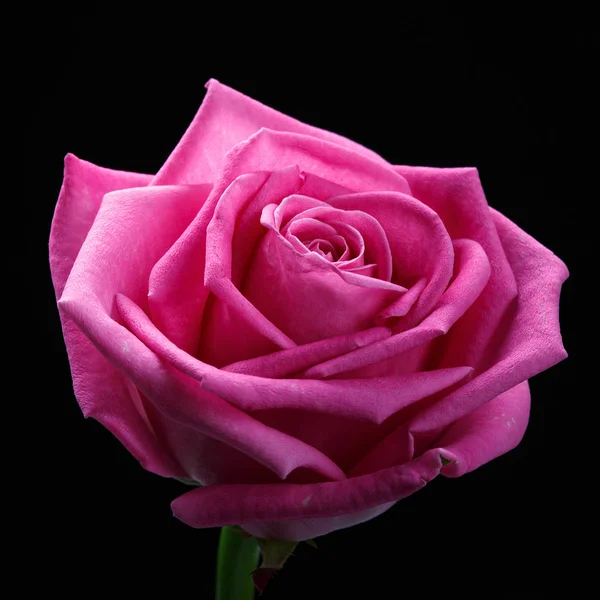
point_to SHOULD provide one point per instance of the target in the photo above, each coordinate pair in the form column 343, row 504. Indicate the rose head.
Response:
column 285, row 318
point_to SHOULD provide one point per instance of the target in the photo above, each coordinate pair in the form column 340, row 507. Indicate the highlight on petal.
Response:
column 226, row 118
column 94, row 379
column 299, row 512
column 84, row 185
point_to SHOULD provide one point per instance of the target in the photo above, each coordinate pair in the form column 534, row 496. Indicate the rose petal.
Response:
column 268, row 150
column 233, row 328
column 308, row 297
column 178, row 296
column 321, row 189
column 472, row 271
column 372, row 400
column 493, row 429
column 226, row 118
column 176, row 275
column 217, row 345
column 532, row 344
column 532, row 341
column 196, row 409
column 419, row 243
column 376, row 245
column 402, row 306
column 145, row 222
column 94, row 378
column 287, row 362
column 278, row 215
column 457, row 197
column 299, row 512
column 84, row 186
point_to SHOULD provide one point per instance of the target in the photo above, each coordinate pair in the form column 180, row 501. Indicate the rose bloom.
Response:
column 304, row 330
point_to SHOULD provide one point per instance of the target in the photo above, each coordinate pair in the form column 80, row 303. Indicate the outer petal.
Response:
column 136, row 221
column 268, row 150
column 299, row 512
column 371, row 400
column 95, row 380
column 493, row 429
column 532, row 342
column 84, row 186
column 226, row 118
column 457, row 197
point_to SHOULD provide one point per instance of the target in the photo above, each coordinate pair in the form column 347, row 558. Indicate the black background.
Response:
column 507, row 93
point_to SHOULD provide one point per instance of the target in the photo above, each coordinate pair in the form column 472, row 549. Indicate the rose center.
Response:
column 331, row 249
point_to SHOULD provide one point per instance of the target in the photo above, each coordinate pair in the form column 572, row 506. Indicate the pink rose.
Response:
column 305, row 330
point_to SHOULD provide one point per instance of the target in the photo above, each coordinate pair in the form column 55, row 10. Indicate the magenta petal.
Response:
column 278, row 215
column 196, row 409
column 402, row 306
column 84, row 186
column 472, row 271
column 226, row 118
column 233, row 325
column 176, row 282
column 457, row 196
column 178, row 296
column 299, row 512
column 269, row 150
column 493, row 429
column 419, row 243
column 287, row 362
column 370, row 400
column 308, row 297
column 376, row 245
column 94, row 379
column 142, row 224
column 531, row 341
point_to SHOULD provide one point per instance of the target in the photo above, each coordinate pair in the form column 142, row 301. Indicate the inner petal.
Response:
column 307, row 230
column 360, row 229
column 307, row 296
column 318, row 237
column 355, row 257
column 324, row 248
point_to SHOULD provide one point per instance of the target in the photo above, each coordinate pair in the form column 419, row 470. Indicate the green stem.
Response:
column 237, row 558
